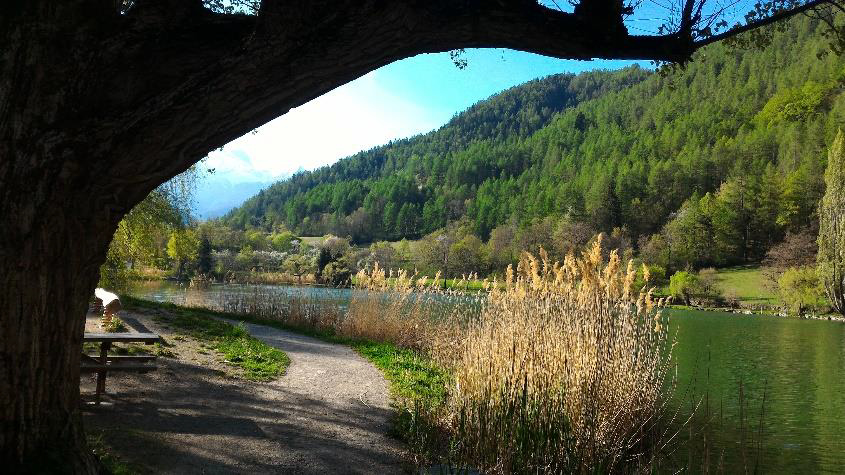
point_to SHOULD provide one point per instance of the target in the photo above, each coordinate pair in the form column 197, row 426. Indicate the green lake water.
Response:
column 797, row 366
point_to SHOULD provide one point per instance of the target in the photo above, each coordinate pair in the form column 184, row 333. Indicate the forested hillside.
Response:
column 412, row 171
column 713, row 164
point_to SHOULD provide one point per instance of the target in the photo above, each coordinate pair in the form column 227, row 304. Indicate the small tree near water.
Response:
column 682, row 285
column 799, row 289
column 831, row 256
column 204, row 263
column 182, row 247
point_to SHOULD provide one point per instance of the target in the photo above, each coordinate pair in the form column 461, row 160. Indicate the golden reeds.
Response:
column 572, row 345
column 559, row 368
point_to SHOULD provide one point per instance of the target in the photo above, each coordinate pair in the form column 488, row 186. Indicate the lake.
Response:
column 798, row 366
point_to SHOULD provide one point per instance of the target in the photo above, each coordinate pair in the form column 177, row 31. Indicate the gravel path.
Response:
column 329, row 414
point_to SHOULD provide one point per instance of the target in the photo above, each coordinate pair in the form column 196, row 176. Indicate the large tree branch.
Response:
column 183, row 87
column 769, row 20
column 204, row 93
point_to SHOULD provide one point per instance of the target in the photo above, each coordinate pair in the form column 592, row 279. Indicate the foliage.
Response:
column 337, row 273
column 831, row 256
column 299, row 265
column 183, row 246
column 795, row 104
column 703, row 183
column 282, row 241
column 683, row 285
column 137, row 238
column 800, row 289
column 204, row 262
column 141, row 235
column 796, row 250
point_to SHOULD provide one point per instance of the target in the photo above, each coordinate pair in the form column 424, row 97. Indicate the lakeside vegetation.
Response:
column 425, row 347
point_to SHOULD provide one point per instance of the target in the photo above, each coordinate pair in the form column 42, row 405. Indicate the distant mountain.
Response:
column 623, row 149
column 218, row 194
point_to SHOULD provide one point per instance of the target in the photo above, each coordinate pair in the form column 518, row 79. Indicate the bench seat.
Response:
column 110, row 367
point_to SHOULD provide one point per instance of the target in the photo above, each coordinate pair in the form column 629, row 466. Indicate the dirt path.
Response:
column 329, row 414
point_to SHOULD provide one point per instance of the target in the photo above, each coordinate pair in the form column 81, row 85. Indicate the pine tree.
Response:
column 831, row 256
column 204, row 257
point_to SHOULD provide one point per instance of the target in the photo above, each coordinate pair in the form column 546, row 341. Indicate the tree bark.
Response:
column 48, row 272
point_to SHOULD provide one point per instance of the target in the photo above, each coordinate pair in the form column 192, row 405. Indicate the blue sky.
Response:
column 402, row 99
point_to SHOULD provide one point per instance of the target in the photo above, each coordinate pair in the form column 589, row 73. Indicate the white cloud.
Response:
column 351, row 118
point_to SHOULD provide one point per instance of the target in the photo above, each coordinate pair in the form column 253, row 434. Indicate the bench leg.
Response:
column 101, row 375
column 101, row 386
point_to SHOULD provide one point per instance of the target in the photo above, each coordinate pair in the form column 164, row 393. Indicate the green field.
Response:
column 748, row 284
column 311, row 240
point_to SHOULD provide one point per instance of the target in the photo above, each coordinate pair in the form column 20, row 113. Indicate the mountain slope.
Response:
column 613, row 150
column 513, row 114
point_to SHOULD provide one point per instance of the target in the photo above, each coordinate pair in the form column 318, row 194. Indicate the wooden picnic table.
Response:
column 105, row 363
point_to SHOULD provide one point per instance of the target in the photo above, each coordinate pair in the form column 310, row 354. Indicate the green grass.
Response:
column 412, row 377
column 747, row 284
column 259, row 361
column 115, row 466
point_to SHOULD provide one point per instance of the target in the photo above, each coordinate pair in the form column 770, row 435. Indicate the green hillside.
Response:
column 722, row 158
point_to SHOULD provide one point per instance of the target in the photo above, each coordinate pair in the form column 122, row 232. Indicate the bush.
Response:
column 800, row 289
column 688, row 286
column 656, row 276
column 336, row 273
column 683, row 285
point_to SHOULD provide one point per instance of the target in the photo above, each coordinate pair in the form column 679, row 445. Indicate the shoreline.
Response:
column 759, row 312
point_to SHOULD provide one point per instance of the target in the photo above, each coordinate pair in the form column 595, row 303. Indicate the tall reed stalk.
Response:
column 563, row 371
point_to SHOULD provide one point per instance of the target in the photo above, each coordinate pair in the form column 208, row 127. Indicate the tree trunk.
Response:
column 50, row 253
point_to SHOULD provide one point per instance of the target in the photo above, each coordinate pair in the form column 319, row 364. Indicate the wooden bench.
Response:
column 105, row 363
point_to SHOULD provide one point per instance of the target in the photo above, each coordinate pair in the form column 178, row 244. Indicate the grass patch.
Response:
column 115, row 466
column 747, row 284
column 413, row 377
column 259, row 361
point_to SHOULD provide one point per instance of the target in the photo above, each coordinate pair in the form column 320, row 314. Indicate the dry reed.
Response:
column 561, row 368
column 563, row 371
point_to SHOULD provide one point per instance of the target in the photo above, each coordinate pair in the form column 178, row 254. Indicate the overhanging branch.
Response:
column 291, row 54
column 780, row 16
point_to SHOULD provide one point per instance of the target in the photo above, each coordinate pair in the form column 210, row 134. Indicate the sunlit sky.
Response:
column 399, row 100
